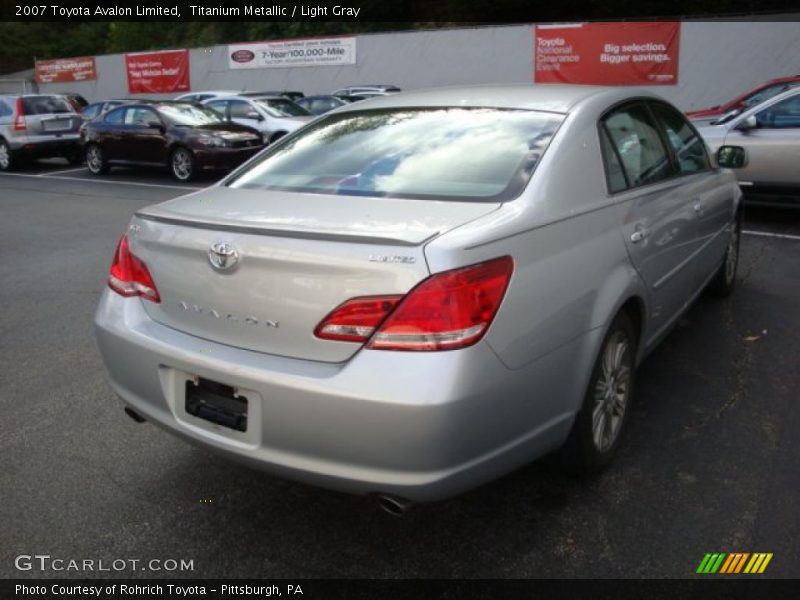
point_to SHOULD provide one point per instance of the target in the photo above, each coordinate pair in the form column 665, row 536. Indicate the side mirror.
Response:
column 747, row 124
column 732, row 157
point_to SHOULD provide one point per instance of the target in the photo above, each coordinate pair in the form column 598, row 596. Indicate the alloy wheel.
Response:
column 611, row 391
column 94, row 159
column 5, row 156
column 182, row 164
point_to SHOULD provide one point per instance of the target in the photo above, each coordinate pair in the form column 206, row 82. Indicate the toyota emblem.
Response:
column 223, row 256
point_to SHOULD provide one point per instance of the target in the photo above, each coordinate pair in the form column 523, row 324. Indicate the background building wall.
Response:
column 718, row 60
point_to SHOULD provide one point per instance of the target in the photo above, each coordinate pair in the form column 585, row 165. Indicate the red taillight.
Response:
column 129, row 275
column 356, row 319
column 446, row 311
column 19, row 120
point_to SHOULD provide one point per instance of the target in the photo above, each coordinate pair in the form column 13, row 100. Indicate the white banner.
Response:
column 316, row 52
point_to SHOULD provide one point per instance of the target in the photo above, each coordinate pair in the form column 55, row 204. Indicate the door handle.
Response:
column 640, row 234
column 698, row 208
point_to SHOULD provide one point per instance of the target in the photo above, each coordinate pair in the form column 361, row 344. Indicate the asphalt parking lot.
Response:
column 710, row 463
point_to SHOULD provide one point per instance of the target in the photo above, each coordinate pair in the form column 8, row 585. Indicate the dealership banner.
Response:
column 312, row 52
column 607, row 53
column 158, row 72
column 62, row 70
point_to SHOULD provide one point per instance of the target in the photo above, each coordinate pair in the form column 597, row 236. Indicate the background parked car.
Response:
column 273, row 116
column 319, row 105
column 37, row 126
column 770, row 134
column 183, row 136
column 757, row 95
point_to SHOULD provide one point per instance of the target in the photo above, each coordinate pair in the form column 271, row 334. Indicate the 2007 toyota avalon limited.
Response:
column 415, row 294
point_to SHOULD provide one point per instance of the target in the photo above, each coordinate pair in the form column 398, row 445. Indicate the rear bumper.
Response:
column 45, row 146
column 224, row 158
column 423, row 426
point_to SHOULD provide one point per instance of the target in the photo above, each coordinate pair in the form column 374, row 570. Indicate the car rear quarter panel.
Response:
column 571, row 270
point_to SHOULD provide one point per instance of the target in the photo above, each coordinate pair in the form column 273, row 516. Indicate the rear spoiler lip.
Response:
column 289, row 233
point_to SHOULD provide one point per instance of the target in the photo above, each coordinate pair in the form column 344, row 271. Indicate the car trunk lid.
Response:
column 299, row 257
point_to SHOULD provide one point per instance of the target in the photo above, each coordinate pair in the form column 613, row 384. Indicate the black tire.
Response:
column 182, row 164
column 600, row 423
column 724, row 282
column 96, row 160
column 7, row 160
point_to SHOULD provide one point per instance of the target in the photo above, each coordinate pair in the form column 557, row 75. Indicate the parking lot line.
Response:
column 107, row 181
column 770, row 234
column 72, row 170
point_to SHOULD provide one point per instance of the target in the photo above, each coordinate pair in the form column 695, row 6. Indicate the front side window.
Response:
column 782, row 115
column 638, row 144
column 477, row 154
column 115, row 117
column 688, row 146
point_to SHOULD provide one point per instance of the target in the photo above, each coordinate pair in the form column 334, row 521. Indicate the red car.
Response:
column 763, row 92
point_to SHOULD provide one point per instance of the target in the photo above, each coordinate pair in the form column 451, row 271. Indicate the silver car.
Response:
column 37, row 126
column 273, row 116
column 770, row 135
column 416, row 294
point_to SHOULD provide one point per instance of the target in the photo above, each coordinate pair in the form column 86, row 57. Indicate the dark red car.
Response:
column 755, row 96
column 183, row 136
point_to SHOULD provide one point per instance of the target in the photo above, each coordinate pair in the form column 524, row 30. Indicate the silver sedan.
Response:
column 416, row 294
column 770, row 135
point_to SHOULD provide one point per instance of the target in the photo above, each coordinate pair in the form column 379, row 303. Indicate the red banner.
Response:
column 158, row 72
column 61, row 70
column 607, row 53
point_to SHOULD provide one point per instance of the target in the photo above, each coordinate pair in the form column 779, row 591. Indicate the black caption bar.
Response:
column 334, row 589
column 407, row 11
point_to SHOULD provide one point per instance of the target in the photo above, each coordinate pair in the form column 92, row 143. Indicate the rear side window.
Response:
column 45, row 105
column 689, row 149
column 476, row 154
column 615, row 175
column 638, row 144
column 5, row 109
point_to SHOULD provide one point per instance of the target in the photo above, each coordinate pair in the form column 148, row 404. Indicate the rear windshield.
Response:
column 45, row 105
column 478, row 154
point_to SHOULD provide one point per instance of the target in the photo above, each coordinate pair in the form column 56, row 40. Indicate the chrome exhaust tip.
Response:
column 393, row 505
column 134, row 415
